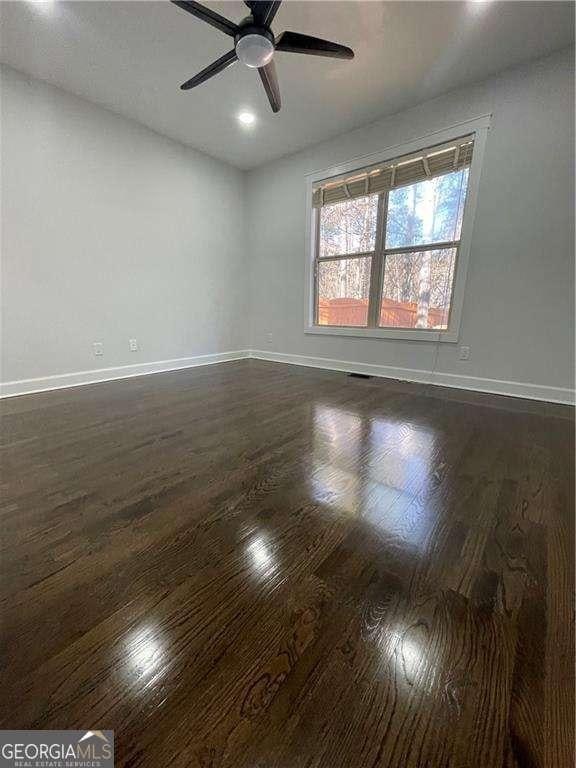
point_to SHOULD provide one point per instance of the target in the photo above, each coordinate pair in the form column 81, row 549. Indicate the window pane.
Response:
column 428, row 212
column 417, row 289
column 348, row 227
column 343, row 288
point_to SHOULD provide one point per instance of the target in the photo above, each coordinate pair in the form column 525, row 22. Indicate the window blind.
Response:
column 407, row 169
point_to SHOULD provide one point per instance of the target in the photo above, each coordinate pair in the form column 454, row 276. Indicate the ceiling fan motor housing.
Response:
column 254, row 44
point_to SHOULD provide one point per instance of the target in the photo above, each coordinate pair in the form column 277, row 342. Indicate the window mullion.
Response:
column 316, row 260
column 346, row 256
column 377, row 261
column 445, row 245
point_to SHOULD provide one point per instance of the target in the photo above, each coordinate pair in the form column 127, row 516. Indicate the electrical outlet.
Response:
column 464, row 353
column 269, row 339
column 98, row 348
column 133, row 344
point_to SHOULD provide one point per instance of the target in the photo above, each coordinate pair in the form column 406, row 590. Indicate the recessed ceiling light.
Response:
column 246, row 119
column 45, row 6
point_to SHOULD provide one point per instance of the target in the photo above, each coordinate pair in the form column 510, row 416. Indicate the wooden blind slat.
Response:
column 408, row 169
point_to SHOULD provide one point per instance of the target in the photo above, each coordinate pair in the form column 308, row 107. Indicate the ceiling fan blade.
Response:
column 263, row 11
column 210, row 17
column 270, row 83
column 294, row 42
column 211, row 70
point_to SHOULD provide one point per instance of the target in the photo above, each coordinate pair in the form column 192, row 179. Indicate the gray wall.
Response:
column 111, row 232
column 518, row 315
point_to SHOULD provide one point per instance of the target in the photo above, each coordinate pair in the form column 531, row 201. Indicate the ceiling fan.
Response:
column 255, row 44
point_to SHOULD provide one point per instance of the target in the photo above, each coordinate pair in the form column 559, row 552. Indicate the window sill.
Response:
column 407, row 334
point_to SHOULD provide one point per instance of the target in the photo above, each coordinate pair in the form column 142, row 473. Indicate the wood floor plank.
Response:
column 255, row 564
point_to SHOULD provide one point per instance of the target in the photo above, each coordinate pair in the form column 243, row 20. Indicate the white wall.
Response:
column 518, row 313
column 111, row 232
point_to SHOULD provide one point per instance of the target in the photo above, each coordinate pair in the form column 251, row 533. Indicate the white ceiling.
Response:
column 132, row 57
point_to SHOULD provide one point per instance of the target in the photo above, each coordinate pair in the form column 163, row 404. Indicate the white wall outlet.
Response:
column 98, row 348
column 464, row 353
column 133, row 344
column 269, row 339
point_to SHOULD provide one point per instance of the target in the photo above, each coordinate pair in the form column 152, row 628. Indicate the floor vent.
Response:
column 359, row 375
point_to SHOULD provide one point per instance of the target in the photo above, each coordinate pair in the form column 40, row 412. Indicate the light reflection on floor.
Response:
column 144, row 653
column 260, row 554
column 389, row 490
column 409, row 652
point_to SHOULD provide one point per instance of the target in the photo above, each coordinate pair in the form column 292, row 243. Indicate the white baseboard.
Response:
column 64, row 380
column 491, row 386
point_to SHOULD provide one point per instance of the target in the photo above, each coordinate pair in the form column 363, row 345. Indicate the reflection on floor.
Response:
column 374, row 467
column 255, row 564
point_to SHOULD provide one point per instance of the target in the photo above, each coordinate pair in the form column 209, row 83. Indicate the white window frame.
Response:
column 478, row 126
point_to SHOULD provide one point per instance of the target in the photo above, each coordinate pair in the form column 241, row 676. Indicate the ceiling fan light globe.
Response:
column 254, row 50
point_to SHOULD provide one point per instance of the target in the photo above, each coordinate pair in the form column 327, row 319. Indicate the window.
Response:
column 387, row 244
column 347, row 233
column 418, row 275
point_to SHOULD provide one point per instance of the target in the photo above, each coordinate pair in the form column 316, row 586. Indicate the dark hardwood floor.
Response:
column 255, row 565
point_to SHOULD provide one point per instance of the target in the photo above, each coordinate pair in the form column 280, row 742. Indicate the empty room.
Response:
column 287, row 384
